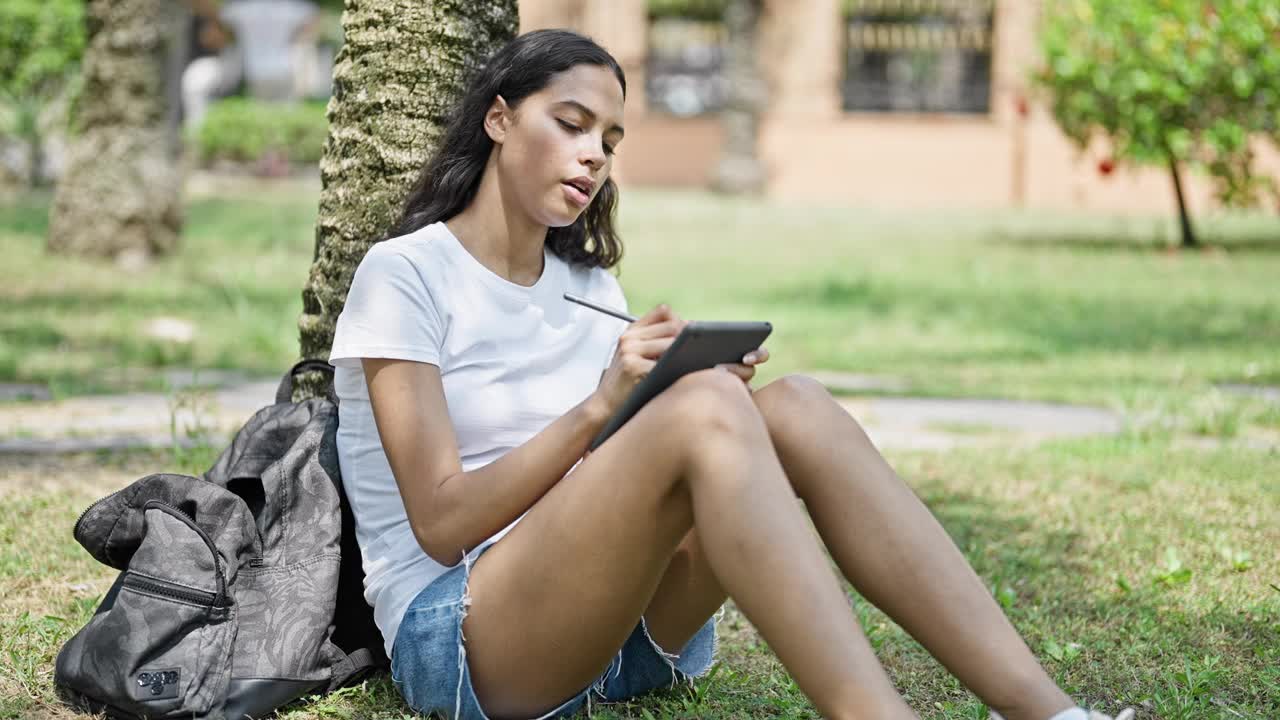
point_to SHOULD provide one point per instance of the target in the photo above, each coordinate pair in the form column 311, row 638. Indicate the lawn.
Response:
column 1141, row 567
column 989, row 304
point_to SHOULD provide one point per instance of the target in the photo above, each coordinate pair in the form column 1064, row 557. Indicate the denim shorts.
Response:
column 429, row 659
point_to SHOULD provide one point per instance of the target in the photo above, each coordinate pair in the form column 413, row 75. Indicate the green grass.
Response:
column 1141, row 568
column 1001, row 304
column 975, row 304
column 1139, row 572
column 79, row 326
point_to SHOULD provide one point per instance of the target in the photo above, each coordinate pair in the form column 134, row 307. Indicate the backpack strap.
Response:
column 284, row 392
column 352, row 668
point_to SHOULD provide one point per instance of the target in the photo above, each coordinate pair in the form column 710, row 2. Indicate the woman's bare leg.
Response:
column 896, row 554
column 687, row 595
column 554, row 600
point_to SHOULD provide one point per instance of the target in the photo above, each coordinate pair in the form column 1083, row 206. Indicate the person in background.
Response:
column 272, row 34
column 214, row 70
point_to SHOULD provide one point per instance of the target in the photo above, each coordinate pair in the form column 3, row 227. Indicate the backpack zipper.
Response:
column 75, row 530
column 221, row 597
column 175, row 512
column 171, row 590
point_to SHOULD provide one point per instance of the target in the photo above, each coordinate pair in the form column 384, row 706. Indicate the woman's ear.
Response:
column 497, row 120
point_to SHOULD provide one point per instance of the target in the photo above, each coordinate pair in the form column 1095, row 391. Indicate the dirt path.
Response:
column 158, row 420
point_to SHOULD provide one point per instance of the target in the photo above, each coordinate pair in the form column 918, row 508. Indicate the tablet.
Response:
column 699, row 346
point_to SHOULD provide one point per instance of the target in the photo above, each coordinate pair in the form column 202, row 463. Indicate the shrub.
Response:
column 691, row 9
column 244, row 130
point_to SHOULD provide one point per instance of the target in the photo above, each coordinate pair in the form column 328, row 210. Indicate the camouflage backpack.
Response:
column 241, row 589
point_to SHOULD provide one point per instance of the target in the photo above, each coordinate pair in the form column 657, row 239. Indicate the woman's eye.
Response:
column 608, row 149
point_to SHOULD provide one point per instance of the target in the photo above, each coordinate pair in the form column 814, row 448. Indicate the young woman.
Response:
column 511, row 576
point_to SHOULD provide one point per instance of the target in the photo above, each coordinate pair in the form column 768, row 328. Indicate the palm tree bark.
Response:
column 121, row 192
column 403, row 65
column 739, row 170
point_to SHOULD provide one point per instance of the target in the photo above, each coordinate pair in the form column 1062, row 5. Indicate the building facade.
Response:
column 886, row 103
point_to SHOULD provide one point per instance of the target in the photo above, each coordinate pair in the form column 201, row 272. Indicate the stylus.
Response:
column 595, row 306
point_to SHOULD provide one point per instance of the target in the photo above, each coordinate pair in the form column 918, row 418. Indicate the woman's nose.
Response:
column 593, row 156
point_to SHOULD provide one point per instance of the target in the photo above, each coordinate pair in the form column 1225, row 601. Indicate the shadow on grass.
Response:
column 1251, row 232
column 1052, row 325
column 210, row 293
column 1212, row 662
column 1144, row 642
column 1257, row 241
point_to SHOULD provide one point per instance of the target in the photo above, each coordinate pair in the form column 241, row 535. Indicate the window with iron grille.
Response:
column 918, row 55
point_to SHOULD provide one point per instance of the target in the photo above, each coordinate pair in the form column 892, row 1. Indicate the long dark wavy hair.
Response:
column 450, row 178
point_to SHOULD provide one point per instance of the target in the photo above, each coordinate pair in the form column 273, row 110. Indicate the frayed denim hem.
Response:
column 464, row 687
column 422, row 662
column 671, row 659
column 651, row 667
column 464, row 673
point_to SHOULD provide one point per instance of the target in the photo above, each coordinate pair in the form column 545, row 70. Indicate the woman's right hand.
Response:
column 637, row 352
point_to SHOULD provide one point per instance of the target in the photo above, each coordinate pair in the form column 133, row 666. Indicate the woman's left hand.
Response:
column 747, row 368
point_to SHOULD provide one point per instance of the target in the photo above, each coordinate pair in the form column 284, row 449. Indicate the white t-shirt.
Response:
column 512, row 359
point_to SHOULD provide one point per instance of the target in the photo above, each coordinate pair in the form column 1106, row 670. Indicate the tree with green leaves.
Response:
column 41, row 42
column 120, row 195
column 1171, row 83
column 402, row 67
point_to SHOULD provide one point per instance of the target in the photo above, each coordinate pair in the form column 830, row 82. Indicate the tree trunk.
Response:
column 121, row 192
column 403, row 65
column 1188, row 234
column 35, row 158
column 739, row 170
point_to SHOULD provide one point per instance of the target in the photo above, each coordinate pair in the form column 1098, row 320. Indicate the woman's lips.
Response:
column 576, row 196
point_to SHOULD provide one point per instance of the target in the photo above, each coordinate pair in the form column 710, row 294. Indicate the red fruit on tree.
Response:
column 1107, row 166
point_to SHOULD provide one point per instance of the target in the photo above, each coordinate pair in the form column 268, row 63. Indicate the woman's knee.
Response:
column 709, row 411
column 790, row 394
column 714, row 403
column 794, row 402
